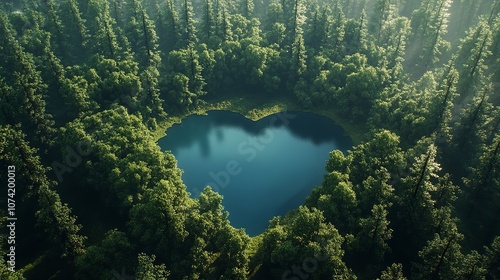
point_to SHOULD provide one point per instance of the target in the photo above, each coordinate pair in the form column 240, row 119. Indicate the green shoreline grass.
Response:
column 256, row 108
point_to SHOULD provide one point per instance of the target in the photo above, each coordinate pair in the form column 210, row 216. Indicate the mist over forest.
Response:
column 88, row 87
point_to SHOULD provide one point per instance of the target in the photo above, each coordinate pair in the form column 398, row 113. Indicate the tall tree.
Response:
column 52, row 216
column 470, row 60
column 246, row 8
column 188, row 29
column 207, row 21
column 393, row 272
column 186, row 81
column 55, row 26
column 76, row 29
column 142, row 36
column 104, row 38
column 372, row 239
column 492, row 258
column 441, row 257
column 484, row 176
column 469, row 132
column 442, row 105
column 316, row 34
column 383, row 12
column 27, row 83
column 146, row 269
column 167, row 23
column 429, row 24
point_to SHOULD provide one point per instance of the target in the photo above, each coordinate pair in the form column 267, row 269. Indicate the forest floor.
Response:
column 256, row 107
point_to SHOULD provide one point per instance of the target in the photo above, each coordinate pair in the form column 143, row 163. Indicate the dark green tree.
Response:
column 470, row 60
column 142, row 36
column 441, row 257
column 188, row 29
column 106, row 259
column 393, row 272
column 167, row 24
column 303, row 238
column 146, row 269
column 27, row 89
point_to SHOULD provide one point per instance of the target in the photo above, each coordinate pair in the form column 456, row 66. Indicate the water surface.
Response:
column 263, row 169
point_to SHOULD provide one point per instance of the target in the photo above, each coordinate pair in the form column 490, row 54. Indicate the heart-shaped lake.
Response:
column 263, row 169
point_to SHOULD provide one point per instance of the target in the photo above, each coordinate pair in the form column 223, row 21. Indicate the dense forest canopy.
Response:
column 85, row 86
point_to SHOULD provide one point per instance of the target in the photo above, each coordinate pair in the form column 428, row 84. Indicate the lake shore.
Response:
column 256, row 107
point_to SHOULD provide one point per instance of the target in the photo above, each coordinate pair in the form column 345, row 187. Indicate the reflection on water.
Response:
column 262, row 168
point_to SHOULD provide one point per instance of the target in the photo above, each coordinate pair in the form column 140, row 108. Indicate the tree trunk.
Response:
column 422, row 174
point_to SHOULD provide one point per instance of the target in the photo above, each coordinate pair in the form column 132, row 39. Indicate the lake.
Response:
column 263, row 169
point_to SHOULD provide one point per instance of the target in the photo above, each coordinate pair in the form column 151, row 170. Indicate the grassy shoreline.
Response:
column 256, row 108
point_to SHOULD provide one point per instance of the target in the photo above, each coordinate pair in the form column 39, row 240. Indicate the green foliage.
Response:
column 302, row 235
column 9, row 275
column 147, row 270
column 53, row 217
column 393, row 272
column 111, row 255
column 106, row 72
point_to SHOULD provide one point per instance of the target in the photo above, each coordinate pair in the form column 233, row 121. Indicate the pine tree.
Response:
column 469, row 132
column 374, row 234
column 55, row 27
column 441, row 257
column 473, row 51
column 383, row 12
column 337, row 30
column 246, row 9
column 104, row 39
column 207, row 21
column 188, row 29
column 167, row 23
column 393, row 272
column 75, row 28
column 429, row 24
column 316, row 35
column 29, row 88
column 54, row 217
column 142, row 35
column 433, row 41
column 485, row 175
column 442, row 105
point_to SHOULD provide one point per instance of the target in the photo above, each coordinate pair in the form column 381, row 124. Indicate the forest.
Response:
column 88, row 86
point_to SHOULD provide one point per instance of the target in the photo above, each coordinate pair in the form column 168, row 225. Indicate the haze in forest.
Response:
column 88, row 87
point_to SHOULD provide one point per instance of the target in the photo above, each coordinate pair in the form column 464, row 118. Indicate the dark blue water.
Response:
column 263, row 169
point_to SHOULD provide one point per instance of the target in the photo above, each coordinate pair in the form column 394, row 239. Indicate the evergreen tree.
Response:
column 429, row 24
column 142, row 36
column 29, row 88
column 104, row 39
column 188, row 29
column 246, row 9
column 167, row 23
column 207, row 21
column 441, row 257
column 317, row 34
column 146, row 268
column 52, row 216
column 442, row 105
column 492, row 258
column 75, row 29
column 383, row 12
column 472, row 52
column 55, row 26
column 186, row 81
column 393, row 272
column 372, row 239
column 469, row 131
